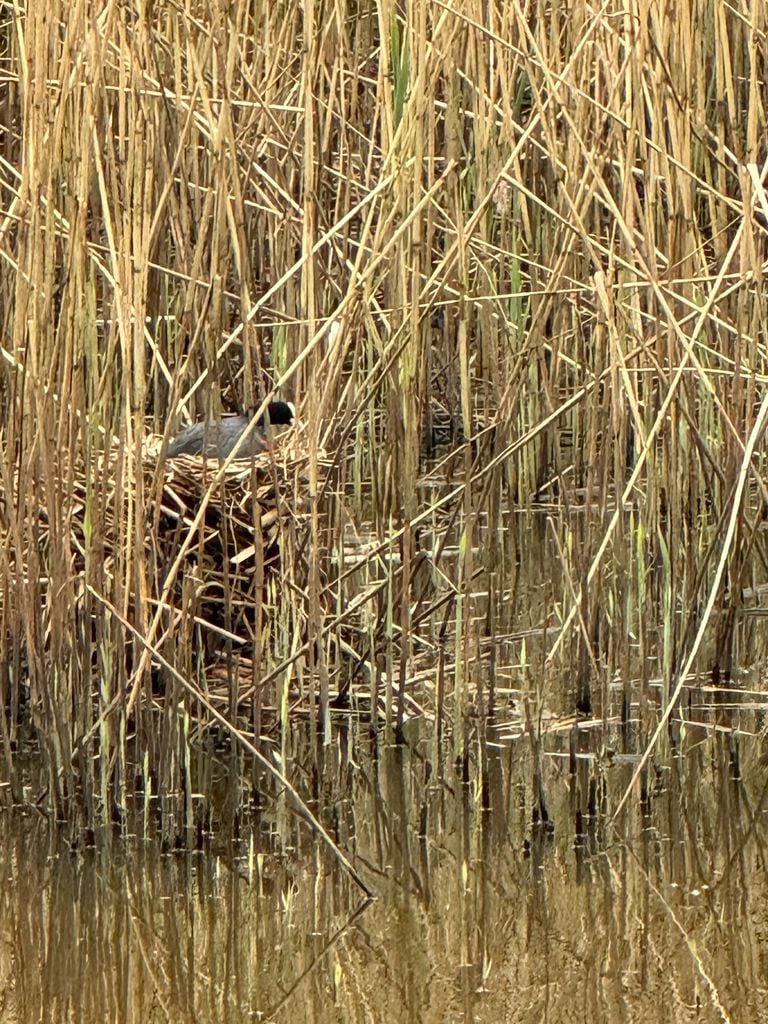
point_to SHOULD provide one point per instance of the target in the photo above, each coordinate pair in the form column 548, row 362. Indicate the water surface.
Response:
column 479, row 915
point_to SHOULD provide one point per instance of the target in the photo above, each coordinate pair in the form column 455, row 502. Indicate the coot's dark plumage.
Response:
column 219, row 437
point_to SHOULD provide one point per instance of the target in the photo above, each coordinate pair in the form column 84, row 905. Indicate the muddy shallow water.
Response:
column 661, row 915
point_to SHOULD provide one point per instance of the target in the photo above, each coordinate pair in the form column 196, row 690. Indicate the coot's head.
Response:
column 279, row 413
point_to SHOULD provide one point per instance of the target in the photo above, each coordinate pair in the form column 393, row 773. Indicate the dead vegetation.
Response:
column 506, row 260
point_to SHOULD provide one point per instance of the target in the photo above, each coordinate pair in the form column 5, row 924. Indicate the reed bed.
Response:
column 508, row 262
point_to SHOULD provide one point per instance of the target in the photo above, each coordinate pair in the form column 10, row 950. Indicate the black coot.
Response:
column 219, row 437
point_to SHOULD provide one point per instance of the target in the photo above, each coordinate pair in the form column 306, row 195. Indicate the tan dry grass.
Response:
column 545, row 223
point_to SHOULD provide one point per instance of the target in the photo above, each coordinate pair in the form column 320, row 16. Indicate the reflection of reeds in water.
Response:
column 236, row 932
column 503, row 269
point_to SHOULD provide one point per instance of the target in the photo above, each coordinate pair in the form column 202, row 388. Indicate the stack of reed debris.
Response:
column 229, row 527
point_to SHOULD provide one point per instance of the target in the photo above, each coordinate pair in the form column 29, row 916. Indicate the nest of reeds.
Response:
column 243, row 502
column 224, row 526
column 212, row 542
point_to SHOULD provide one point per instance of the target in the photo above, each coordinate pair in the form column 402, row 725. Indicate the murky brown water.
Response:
column 662, row 917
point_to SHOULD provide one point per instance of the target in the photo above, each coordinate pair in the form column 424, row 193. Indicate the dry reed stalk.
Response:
column 537, row 228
